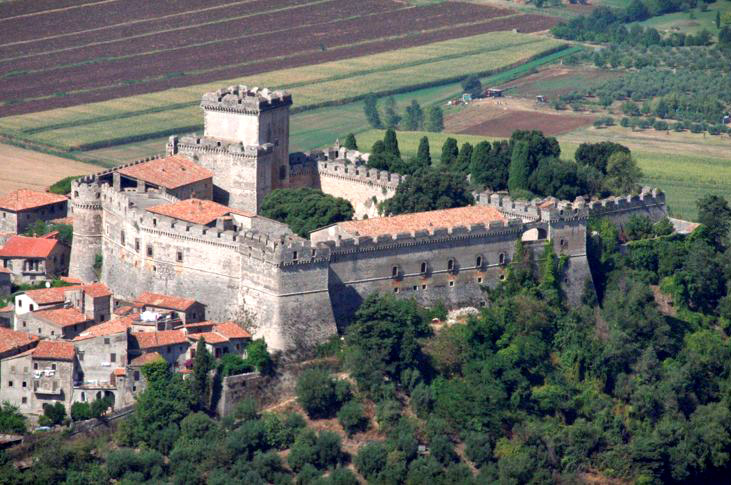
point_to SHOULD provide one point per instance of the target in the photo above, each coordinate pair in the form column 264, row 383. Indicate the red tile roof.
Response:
column 209, row 337
column 103, row 329
column 46, row 296
column 69, row 279
column 61, row 317
column 208, row 323
column 5, row 270
column 54, row 349
column 231, row 330
column 120, row 372
column 438, row 219
column 7, row 308
column 24, row 199
column 197, row 211
column 28, row 247
column 10, row 339
column 145, row 359
column 97, row 290
column 163, row 301
column 124, row 310
column 151, row 340
column 169, row 172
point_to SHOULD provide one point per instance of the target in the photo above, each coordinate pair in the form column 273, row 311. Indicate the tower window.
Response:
column 294, row 255
column 478, row 262
column 394, row 271
column 149, row 250
column 122, row 238
column 179, row 256
column 450, row 264
column 137, row 245
column 424, row 267
column 501, row 258
column 451, row 284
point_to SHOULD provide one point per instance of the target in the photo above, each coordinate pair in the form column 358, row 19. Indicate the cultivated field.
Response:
column 556, row 81
column 155, row 115
column 102, row 50
column 685, row 168
column 21, row 168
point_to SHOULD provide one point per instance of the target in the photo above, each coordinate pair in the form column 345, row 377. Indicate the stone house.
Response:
column 220, row 338
column 43, row 374
column 33, row 259
column 42, row 299
column 54, row 324
column 93, row 300
column 12, row 343
column 187, row 310
column 101, row 353
column 175, row 175
column 135, row 379
column 172, row 345
column 6, row 281
column 20, row 209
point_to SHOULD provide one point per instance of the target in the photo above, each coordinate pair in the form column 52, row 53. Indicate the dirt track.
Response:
column 21, row 168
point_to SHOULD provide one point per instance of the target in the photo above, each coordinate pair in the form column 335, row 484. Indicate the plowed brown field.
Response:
column 549, row 124
column 113, row 48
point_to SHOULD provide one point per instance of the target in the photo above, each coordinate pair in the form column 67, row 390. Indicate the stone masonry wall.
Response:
column 86, row 209
column 364, row 188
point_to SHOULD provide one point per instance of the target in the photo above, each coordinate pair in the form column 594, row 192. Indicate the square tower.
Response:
column 252, row 117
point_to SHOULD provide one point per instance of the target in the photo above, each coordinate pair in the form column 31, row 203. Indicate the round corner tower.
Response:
column 86, row 207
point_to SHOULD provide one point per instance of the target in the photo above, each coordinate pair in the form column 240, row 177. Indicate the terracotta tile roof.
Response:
column 124, row 310
column 5, row 270
column 10, row 339
column 69, row 279
column 24, row 199
column 163, row 301
column 169, row 172
column 107, row 328
column 209, row 337
column 151, row 340
column 46, row 296
column 7, row 308
column 97, row 290
column 61, row 317
column 197, row 211
column 54, row 349
column 120, row 372
column 231, row 330
column 145, row 359
column 28, row 247
column 438, row 219
column 200, row 325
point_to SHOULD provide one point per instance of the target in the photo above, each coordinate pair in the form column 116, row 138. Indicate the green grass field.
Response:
column 136, row 117
column 684, row 176
column 682, row 21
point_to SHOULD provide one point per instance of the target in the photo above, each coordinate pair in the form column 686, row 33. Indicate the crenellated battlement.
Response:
column 535, row 210
column 646, row 198
column 245, row 100
column 359, row 173
column 194, row 143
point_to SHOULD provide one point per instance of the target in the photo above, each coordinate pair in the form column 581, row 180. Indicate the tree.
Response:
column 715, row 214
column 724, row 37
column 423, row 157
column 351, row 417
column 371, row 459
column 200, row 384
column 305, row 209
column 316, row 393
column 414, row 117
column 464, row 158
column 623, row 174
column 53, row 414
column 472, row 86
column 428, row 190
column 434, row 119
column 350, row 142
column 597, row 154
column 390, row 114
column 489, row 165
column 449, row 153
column 519, row 168
column 638, row 227
column 370, row 108
column 63, row 186
column 257, row 356
column 390, row 143
column 11, row 421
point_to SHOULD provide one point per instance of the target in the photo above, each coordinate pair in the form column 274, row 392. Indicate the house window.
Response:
column 395, row 290
column 154, row 222
column 25, row 400
column 415, row 288
column 106, row 341
column 451, row 284
column 53, row 366
column 137, row 375
column 35, row 365
column 53, row 332
column 39, row 330
column 112, row 357
column 83, row 396
column 179, row 256
column 149, row 250
column 423, row 287
column 294, row 255
column 137, row 245
column 81, row 356
column 25, row 384
column 479, row 280
column 10, row 383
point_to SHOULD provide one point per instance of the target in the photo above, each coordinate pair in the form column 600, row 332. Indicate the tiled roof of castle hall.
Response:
column 11, row 339
column 419, row 221
column 163, row 301
column 24, row 199
column 61, row 317
column 151, row 340
column 169, row 172
column 28, row 247
column 197, row 211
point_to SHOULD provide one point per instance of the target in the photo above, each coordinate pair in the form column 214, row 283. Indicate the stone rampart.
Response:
column 86, row 209
column 650, row 203
column 242, row 99
column 363, row 187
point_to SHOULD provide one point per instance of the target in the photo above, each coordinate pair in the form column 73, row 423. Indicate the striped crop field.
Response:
column 139, row 117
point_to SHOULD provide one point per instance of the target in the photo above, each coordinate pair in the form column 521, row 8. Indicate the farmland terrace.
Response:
column 56, row 54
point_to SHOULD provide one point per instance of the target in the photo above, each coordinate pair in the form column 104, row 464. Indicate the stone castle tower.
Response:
column 245, row 144
column 86, row 208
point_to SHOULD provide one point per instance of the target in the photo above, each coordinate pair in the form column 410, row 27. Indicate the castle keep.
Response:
column 187, row 224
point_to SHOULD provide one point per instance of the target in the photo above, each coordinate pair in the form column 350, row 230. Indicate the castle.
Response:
column 187, row 224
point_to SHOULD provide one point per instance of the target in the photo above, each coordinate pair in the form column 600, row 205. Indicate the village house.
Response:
column 20, row 209
column 12, row 343
column 175, row 175
column 220, row 338
column 172, row 345
column 33, row 259
column 56, row 323
column 41, row 299
column 43, row 374
column 93, row 300
column 187, row 310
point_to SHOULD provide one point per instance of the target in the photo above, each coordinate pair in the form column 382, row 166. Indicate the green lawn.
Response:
column 682, row 21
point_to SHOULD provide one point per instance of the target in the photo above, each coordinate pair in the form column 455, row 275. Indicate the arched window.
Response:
column 395, row 271
column 478, row 262
column 424, row 267
column 501, row 258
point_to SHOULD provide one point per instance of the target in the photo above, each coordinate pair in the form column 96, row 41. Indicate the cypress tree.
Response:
column 449, row 153
column 519, row 169
column 414, row 117
column 200, row 385
column 350, row 142
column 718, row 19
column 434, row 119
column 479, row 161
column 390, row 143
column 390, row 114
column 370, row 108
column 422, row 155
column 464, row 158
